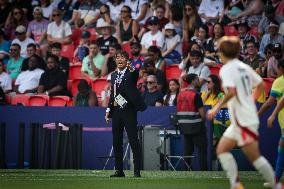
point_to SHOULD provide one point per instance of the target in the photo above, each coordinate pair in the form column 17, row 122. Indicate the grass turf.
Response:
column 88, row 179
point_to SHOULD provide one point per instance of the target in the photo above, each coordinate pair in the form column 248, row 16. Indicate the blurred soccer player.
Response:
column 238, row 81
column 277, row 91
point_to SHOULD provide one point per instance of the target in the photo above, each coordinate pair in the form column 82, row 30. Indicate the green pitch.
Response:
column 88, row 179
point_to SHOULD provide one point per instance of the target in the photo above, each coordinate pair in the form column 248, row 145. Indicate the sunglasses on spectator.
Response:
column 150, row 82
column 209, row 81
column 152, row 24
column 16, row 13
column 124, row 11
column 13, row 50
column 18, row 33
column 188, row 9
column 55, row 15
column 277, row 51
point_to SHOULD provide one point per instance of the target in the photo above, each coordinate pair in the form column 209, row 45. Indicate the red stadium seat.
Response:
column 126, row 47
column 58, row 101
column 267, row 85
column 75, row 71
column 38, row 100
column 69, row 85
column 173, row 72
column 20, row 99
column 68, row 51
column 230, row 31
column 93, row 34
column 8, row 99
column 98, row 86
column 215, row 70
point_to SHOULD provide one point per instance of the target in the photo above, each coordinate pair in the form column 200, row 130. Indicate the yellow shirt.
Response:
column 212, row 99
column 277, row 91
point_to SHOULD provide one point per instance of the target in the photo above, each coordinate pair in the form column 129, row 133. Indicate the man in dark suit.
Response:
column 125, row 101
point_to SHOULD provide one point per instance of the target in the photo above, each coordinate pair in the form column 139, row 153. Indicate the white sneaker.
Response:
column 267, row 185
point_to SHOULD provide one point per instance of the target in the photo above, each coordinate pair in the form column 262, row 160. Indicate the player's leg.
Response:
column 251, row 151
column 227, row 160
column 280, row 159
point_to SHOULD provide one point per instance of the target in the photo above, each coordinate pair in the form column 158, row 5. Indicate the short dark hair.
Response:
column 122, row 53
column 55, row 58
column 116, row 46
column 31, row 45
column 56, row 46
column 281, row 64
column 155, row 50
column 160, row 6
column 83, row 84
column 191, row 77
column 230, row 46
column 16, row 45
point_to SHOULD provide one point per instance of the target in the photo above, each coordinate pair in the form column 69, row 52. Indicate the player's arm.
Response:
column 257, row 91
column 231, row 92
column 269, row 102
column 278, row 108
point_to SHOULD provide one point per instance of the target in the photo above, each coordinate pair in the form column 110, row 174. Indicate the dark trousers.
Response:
column 200, row 141
column 125, row 118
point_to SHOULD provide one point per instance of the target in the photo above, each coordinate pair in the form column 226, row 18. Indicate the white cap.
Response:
column 169, row 26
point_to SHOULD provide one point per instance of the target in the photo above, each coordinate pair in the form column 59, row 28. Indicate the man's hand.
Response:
column 107, row 117
column 270, row 121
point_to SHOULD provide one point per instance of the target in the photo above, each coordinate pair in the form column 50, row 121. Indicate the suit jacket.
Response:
column 128, row 90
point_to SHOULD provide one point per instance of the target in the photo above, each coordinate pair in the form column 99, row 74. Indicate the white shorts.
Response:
column 242, row 135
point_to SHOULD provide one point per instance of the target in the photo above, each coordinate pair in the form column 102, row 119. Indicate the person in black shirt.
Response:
column 110, row 65
column 31, row 51
column 106, row 30
column 152, row 96
column 63, row 61
column 53, row 81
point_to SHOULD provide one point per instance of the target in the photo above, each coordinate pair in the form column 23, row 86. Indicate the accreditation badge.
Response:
column 120, row 101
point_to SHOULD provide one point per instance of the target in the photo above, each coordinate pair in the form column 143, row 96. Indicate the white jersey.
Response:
column 241, row 107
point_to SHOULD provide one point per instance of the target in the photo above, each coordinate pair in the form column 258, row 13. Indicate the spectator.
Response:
column 85, row 95
column 210, row 11
column 115, row 6
column 92, row 64
column 22, row 39
column 106, row 30
column 142, row 82
column 152, row 96
column 170, row 99
column 191, row 117
column 53, row 81
column 154, row 37
column 175, row 17
column 82, row 49
column 136, row 58
column 28, row 81
column 272, row 37
column 231, row 8
column 149, row 67
column 127, row 27
column 88, row 10
column 5, row 9
column 160, row 14
column 253, row 59
column 15, row 62
column 109, row 64
column 268, row 51
column 211, row 46
column 67, row 7
column 202, row 36
column 31, row 51
column 38, row 27
column 273, row 61
column 16, row 18
column 252, row 11
column 5, row 79
column 173, row 48
column 47, row 7
column 156, row 55
column 58, row 31
column 63, row 61
column 25, row 5
column 4, row 47
column 140, row 10
column 105, row 94
column 269, row 16
column 243, row 29
column 104, row 15
column 198, row 68
column 191, row 20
